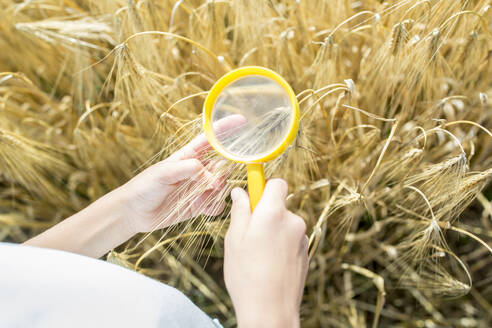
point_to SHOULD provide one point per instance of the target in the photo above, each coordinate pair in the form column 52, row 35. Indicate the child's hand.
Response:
column 150, row 196
column 266, row 259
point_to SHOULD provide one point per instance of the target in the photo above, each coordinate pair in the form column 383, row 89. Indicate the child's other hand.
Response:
column 266, row 259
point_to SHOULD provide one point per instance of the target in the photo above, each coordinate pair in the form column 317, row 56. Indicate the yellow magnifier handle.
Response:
column 256, row 183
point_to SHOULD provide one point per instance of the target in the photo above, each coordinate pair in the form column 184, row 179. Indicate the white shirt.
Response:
column 50, row 288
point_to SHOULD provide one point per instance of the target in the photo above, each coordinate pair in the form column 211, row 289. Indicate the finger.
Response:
column 208, row 203
column 274, row 194
column 193, row 149
column 200, row 144
column 209, row 180
column 228, row 125
column 210, row 177
column 214, row 209
column 172, row 172
column 218, row 176
column 240, row 211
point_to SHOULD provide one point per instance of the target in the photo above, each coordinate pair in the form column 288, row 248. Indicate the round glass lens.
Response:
column 252, row 116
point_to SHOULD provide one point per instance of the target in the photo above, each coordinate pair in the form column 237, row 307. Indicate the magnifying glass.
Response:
column 251, row 116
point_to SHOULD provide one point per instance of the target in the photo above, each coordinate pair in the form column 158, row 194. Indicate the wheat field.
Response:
column 390, row 167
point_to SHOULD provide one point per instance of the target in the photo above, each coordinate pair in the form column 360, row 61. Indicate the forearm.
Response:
column 92, row 232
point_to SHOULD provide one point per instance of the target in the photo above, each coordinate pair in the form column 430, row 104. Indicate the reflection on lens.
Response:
column 266, row 116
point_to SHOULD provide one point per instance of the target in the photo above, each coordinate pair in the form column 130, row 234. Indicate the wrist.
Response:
column 268, row 319
column 114, row 203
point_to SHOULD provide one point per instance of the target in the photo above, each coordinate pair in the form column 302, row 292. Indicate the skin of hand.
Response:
column 266, row 259
column 150, row 196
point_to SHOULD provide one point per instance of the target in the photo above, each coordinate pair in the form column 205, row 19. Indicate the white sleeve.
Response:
column 50, row 288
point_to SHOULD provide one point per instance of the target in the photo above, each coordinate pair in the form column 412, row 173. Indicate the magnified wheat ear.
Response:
column 390, row 167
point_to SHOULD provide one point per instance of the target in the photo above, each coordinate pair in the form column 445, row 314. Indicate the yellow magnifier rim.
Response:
column 222, row 83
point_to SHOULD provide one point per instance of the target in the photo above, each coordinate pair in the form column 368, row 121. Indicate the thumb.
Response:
column 240, row 211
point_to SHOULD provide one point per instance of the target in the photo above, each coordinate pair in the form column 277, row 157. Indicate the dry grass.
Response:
column 389, row 167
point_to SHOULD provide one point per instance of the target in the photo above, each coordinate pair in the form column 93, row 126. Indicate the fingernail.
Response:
column 235, row 194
